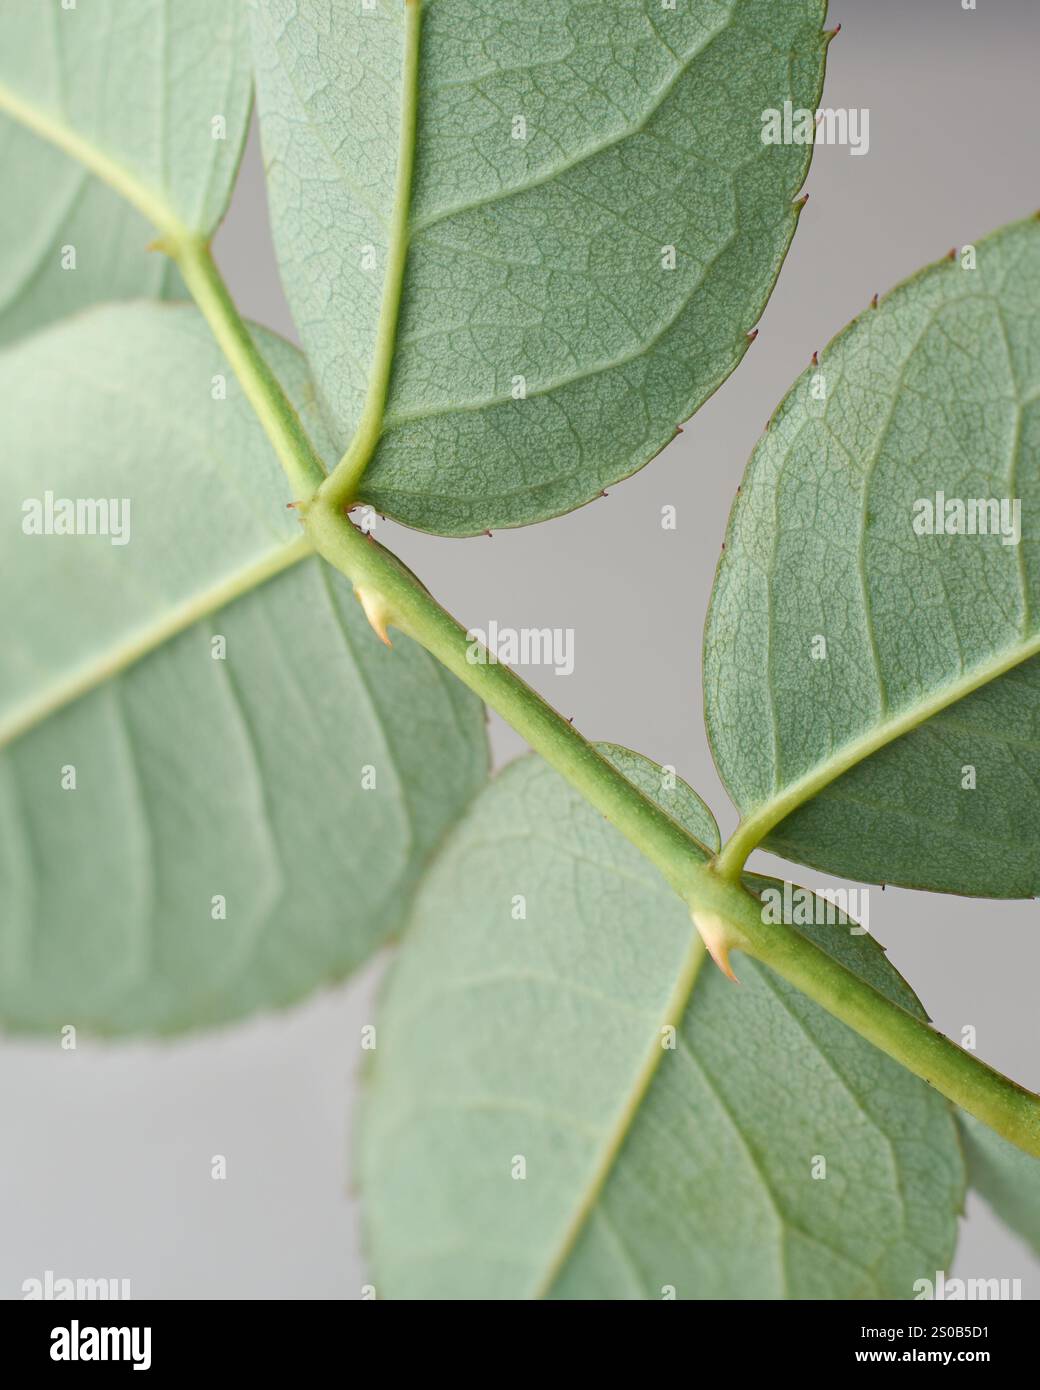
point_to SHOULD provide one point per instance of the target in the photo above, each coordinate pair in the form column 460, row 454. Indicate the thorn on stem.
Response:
column 815, row 360
column 752, row 335
column 715, row 937
column 376, row 611
column 873, row 302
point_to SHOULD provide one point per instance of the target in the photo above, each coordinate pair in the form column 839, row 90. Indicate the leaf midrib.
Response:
column 342, row 484
column 674, row 1010
column 177, row 619
column 152, row 206
column 756, row 826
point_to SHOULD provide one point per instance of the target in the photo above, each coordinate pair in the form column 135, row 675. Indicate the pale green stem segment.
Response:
column 729, row 916
column 342, row 485
column 281, row 423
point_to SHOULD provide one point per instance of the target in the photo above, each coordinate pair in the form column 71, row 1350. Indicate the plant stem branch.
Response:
column 282, row 425
column 728, row 915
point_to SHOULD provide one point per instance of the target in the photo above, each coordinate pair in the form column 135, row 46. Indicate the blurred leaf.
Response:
column 1007, row 1178
column 162, row 93
column 543, row 347
column 204, row 770
column 648, row 1168
column 840, row 637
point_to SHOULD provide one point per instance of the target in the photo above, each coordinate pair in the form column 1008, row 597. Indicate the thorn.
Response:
column 723, row 545
column 815, row 360
column 604, row 493
column 486, row 533
column 951, row 255
column 570, row 719
column 800, row 203
column 740, row 489
column 678, row 430
column 714, row 935
column 873, row 302
column 376, row 611
column 752, row 335
column 830, row 34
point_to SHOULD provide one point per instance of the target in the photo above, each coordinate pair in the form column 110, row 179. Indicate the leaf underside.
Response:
column 176, row 70
column 646, row 1168
column 241, row 778
column 1007, row 1178
column 937, row 390
column 542, row 349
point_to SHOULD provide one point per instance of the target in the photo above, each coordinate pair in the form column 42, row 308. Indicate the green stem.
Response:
column 1001, row 1103
column 296, row 453
column 727, row 914
column 389, row 590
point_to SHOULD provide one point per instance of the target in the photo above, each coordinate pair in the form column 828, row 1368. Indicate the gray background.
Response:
column 106, row 1151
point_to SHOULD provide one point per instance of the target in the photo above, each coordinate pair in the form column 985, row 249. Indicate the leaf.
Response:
column 201, row 772
column 646, row 1168
column 1007, row 1178
column 473, row 220
column 137, row 88
column 909, row 753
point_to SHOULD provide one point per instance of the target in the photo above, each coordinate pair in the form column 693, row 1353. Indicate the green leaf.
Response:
column 1007, row 1178
column 647, row 1168
column 203, row 771
column 136, row 91
column 906, row 751
column 473, row 218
